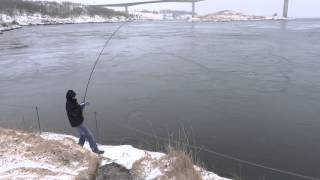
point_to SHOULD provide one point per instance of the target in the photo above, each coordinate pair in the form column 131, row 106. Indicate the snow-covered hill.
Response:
column 15, row 13
column 228, row 15
column 8, row 22
column 16, row 21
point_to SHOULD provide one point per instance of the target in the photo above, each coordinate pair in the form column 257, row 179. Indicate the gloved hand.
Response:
column 83, row 104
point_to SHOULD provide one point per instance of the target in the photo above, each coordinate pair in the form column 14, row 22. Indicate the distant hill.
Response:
column 53, row 9
column 228, row 15
column 17, row 13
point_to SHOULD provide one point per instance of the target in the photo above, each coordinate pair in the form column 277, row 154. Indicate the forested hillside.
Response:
column 53, row 9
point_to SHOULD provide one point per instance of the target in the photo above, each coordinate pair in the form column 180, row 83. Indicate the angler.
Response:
column 75, row 116
column 75, row 110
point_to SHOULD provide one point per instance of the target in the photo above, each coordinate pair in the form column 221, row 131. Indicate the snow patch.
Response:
column 28, row 156
column 153, row 174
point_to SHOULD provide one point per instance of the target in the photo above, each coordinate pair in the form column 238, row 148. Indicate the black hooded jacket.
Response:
column 74, row 110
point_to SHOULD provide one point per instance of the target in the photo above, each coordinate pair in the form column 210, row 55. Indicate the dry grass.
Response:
column 33, row 147
column 139, row 166
column 182, row 166
column 178, row 164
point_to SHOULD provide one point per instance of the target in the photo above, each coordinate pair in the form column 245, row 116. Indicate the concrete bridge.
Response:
column 193, row 2
column 127, row 5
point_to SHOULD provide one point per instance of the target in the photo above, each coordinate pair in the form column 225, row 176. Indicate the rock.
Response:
column 113, row 172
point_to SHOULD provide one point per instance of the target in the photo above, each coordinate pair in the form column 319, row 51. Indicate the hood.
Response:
column 70, row 95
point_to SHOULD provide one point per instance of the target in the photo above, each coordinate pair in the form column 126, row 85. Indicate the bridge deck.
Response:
column 146, row 2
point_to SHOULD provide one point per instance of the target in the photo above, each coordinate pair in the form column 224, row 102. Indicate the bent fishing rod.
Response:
column 99, row 56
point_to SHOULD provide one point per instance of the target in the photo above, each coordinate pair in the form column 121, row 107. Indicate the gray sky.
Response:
column 297, row 8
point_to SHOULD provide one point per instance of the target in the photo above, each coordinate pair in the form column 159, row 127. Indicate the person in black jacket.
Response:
column 75, row 116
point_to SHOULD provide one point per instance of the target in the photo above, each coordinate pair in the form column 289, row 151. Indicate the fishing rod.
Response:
column 99, row 56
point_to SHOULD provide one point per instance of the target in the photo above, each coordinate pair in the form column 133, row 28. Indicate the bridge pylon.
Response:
column 285, row 8
column 126, row 10
column 193, row 9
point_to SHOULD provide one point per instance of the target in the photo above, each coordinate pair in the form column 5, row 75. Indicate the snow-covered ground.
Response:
column 127, row 156
column 7, row 23
column 13, row 22
column 28, row 156
column 57, row 156
column 8, row 27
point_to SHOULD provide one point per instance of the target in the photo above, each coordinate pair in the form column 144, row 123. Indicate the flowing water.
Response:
column 247, row 89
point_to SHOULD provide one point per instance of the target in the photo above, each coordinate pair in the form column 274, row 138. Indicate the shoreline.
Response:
column 15, row 27
column 10, row 23
column 58, row 155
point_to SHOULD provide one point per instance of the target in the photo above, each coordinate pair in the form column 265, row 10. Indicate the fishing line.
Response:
column 98, row 58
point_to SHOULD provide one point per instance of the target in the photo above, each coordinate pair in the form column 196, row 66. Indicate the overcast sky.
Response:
column 297, row 8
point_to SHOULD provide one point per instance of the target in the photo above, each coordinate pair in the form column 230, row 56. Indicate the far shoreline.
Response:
column 8, row 27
